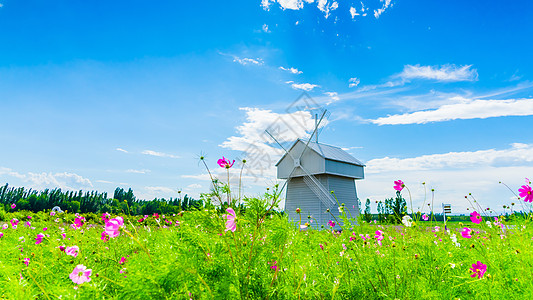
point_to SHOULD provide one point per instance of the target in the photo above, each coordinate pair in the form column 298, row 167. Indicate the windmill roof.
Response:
column 329, row 152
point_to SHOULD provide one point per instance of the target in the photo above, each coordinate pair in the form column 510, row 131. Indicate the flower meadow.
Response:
column 252, row 251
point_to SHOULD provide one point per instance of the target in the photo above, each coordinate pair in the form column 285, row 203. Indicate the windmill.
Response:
column 312, row 170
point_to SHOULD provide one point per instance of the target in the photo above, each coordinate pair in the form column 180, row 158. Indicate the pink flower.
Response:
column 399, row 185
column 27, row 224
column 14, row 222
column 364, row 237
column 62, row 248
column 331, row 223
column 379, row 236
column 26, row 261
column 274, row 266
column 5, row 226
column 466, row 233
column 39, row 238
column 475, row 217
column 231, row 224
column 479, row 270
column 80, row 274
column 321, row 246
column 104, row 237
column 1, row 235
column 72, row 251
column 29, row 217
column 78, row 222
column 45, row 229
column 105, row 216
column 122, row 260
column 526, row 192
column 13, row 206
column 425, row 217
column 224, row 163
column 52, row 213
column 64, row 235
column 112, row 226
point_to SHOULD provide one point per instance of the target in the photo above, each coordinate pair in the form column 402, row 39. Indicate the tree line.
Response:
column 92, row 202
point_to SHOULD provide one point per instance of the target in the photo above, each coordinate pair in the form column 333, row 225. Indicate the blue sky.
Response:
column 99, row 95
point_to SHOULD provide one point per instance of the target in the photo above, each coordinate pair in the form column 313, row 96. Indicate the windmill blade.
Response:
column 318, row 189
column 287, row 153
column 312, row 134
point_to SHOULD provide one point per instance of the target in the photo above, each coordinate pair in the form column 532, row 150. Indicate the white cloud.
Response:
column 453, row 175
column 325, row 8
column 354, row 82
column 353, row 12
column 446, row 73
column 121, row 150
column 265, row 28
column 143, row 171
column 248, row 61
column 302, row 86
column 104, row 181
column 518, row 154
column 467, row 109
column 333, row 95
column 386, row 4
column 160, row 189
column 39, row 181
column 159, row 154
column 292, row 70
column 195, row 186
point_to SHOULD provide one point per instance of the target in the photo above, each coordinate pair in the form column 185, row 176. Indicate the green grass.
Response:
column 199, row 260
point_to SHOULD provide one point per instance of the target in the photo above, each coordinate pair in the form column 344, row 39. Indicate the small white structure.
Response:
column 312, row 171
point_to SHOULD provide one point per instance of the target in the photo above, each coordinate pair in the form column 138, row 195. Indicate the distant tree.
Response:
column 368, row 214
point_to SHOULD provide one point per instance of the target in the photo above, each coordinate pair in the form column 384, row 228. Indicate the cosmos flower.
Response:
column 466, row 233
column 407, row 221
column 379, row 236
column 331, row 223
column 80, row 274
column 72, row 251
column 475, row 217
column 225, row 163
column 399, row 185
column 478, row 270
column 231, row 224
column 425, row 217
column 526, row 192
column 13, row 206
column 27, row 261
column 39, row 238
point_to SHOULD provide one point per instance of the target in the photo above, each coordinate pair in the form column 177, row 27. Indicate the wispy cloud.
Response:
column 121, row 150
column 292, row 70
column 302, row 86
column 326, row 7
column 248, row 61
column 143, row 171
column 468, row 109
column 159, row 154
column 64, row 180
column 265, row 28
column 446, row 73
column 160, row 189
column 386, row 5
column 353, row 82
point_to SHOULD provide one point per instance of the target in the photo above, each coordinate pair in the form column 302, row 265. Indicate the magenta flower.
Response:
column 29, row 217
column 105, row 216
column 26, row 261
column 64, row 235
column 475, row 217
column 104, row 237
column 466, row 233
column 379, row 236
column 13, row 206
column 122, row 260
column 112, row 226
column 72, row 251
column 62, row 248
column 231, row 224
column 1, row 235
column 5, row 226
column 80, row 274
column 27, row 224
column 45, row 229
column 52, row 213
column 331, row 223
column 14, row 222
column 274, row 266
column 425, row 217
column 399, row 185
column 39, row 238
column 78, row 222
column 479, row 270
column 225, row 163
column 156, row 216
column 526, row 192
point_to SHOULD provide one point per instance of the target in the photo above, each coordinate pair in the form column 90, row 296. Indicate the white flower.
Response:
column 452, row 265
column 407, row 221
column 489, row 224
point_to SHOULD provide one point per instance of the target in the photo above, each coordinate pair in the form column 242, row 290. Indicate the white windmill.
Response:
column 312, row 170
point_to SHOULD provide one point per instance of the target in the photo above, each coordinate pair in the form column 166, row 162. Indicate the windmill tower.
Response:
column 312, row 170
